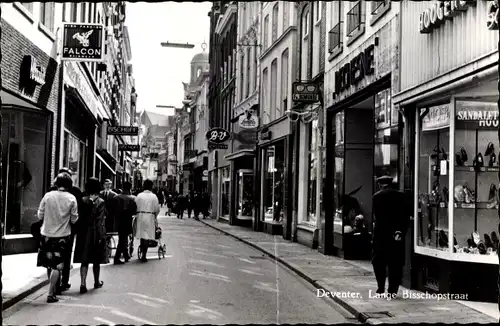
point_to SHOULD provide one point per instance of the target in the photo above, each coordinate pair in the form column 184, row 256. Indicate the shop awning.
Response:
column 244, row 153
column 73, row 93
column 104, row 162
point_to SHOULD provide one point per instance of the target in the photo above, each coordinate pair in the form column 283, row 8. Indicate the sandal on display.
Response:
column 482, row 248
column 487, row 241
column 490, row 148
column 469, row 197
column 492, row 197
column 443, row 239
column 463, row 154
column 470, row 243
column 476, row 237
column 494, row 239
column 493, row 160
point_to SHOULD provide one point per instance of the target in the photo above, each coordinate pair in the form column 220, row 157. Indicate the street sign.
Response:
column 123, row 130
column 218, row 135
column 128, row 148
column 305, row 92
column 217, row 146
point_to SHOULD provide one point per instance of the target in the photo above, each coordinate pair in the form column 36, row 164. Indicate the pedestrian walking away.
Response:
column 146, row 221
column 107, row 195
column 64, row 284
column 170, row 203
column 197, row 206
column 91, row 235
column 58, row 210
column 125, row 208
column 190, row 203
column 161, row 198
column 206, row 202
column 391, row 224
column 181, row 205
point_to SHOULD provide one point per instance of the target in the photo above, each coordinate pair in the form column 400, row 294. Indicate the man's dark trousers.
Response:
column 122, row 247
column 388, row 257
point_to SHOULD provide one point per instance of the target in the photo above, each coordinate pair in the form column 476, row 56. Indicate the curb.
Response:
column 360, row 316
column 32, row 288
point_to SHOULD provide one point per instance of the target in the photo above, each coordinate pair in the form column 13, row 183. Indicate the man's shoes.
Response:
column 127, row 259
column 83, row 289
column 65, row 287
column 118, row 262
column 52, row 299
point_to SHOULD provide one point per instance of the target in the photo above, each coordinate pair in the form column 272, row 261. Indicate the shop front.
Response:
column 455, row 114
column 274, row 160
column 29, row 128
column 362, row 141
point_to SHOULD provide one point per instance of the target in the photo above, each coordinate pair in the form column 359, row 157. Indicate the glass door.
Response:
column 245, row 194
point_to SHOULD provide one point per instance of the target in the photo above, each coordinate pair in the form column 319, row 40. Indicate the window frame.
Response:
column 74, row 12
column 285, row 75
column 274, row 24
column 83, row 9
column 28, row 6
column 273, row 92
column 305, row 22
column 317, row 12
column 378, row 9
column 360, row 28
column 286, row 15
column 47, row 21
column 265, row 30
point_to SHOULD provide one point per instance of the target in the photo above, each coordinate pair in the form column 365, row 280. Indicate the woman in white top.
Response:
column 148, row 209
column 57, row 210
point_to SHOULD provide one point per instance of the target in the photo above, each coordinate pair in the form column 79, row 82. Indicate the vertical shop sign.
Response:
column 83, row 42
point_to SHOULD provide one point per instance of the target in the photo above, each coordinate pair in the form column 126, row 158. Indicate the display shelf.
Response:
column 461, row 168
column 447, row 255
column 478, row 205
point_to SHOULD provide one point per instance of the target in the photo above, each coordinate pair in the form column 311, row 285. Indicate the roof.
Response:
column 157, row 118
column 200, row 57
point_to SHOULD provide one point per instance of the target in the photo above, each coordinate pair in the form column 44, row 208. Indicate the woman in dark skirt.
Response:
column 91, row 235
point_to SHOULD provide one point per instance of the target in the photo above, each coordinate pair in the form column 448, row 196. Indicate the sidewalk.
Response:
column 334, row 274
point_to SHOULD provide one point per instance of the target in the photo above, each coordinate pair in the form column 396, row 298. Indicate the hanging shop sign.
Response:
column 493, row 15
column 435, row 117
column 83, row 42
column 32, row 72
column 123, row 130
column 248, row 121
column 440, row 12
column 217, row 137
column 305, row 92
column 128, row 148
column 356, row 70
column 476, row 115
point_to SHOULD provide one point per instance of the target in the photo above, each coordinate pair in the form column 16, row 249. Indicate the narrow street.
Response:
column 206, row 278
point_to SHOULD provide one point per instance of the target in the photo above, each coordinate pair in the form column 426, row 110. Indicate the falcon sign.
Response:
column 216, row 137
column 83, row 42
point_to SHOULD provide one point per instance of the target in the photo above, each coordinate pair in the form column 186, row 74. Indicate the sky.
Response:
column 158, row 71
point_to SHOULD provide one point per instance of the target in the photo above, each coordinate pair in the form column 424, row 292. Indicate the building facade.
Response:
column 450, row 102
column 245, row 115
column 56, row 110
column 277, row 68
column 221, row 99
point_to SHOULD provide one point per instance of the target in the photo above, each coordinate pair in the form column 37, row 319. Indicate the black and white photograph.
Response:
column 250, row 162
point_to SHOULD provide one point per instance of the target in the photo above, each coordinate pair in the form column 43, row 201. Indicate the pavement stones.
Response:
column 336, row 275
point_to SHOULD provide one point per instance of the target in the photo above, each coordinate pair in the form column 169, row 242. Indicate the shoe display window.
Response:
column 457, row 168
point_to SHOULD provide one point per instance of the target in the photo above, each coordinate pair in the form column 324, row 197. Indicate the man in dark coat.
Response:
column 182, row 203
column 190, row 203
column 391, row 223
column 124, row 208
column 107, row 194
column 75, row 191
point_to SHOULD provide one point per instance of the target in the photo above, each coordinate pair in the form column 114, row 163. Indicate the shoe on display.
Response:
column 487, row 241
column 494, row 240
column 458, row 159
column 476, row 237
column 470, row 243
column 478, row 161
column 481, row 247
column 490, row 148
column 463, row 154
column 446, row 194
column 459, row 194
column 469, row 197
column 493, row 160
column 443, row 239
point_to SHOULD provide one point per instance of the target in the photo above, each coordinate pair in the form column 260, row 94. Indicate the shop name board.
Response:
column 128, row 148
column 217, row 135
column 441, row 11
column 84, row 92
column 436, row 117
column 34, row 72
column 83, row 42
column 248, row 121
column 212, row 146
column 473, row 115
column 355, row 70
column 123, row 130
column 305, row 92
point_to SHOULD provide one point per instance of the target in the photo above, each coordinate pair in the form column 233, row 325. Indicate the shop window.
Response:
column 338, row 173
column 383, row 109
column 74, row 157
column 475, row 192
column 24, row 157
column 272, row 182
column 311, row 182
column 245, row 194
column 225, row 191
column 433, row 179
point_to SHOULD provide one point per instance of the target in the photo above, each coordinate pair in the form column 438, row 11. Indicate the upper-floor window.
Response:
column 255, row 65
column 317, row 11
column 28, row 6
column 378, row 9
column 90, row 13
column 305, row 23
column 247, row 84
column 265, row 91
column 94, row 16
column 284, row 80
column 355, row 20
column 275, row 23
column 82, row 12
column 274, row 90
column 335, row 34
column 266, row 32
column 73, row 12
column 242, row 76
column 286, row 15
column 47, row 10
